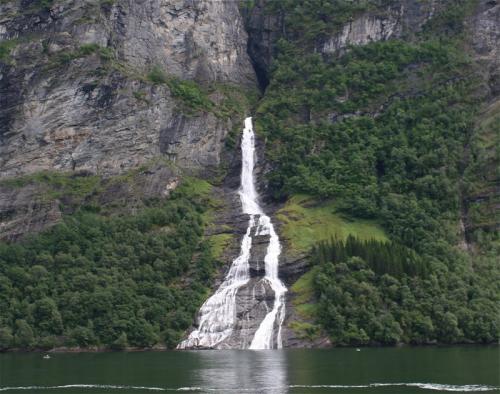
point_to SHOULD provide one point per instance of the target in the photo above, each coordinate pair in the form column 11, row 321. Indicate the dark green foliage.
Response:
column 59, row 184
column 359, row 158
column 192, row 96
column 121, row 342
column 6, row 338
column 62, row 58
column 24, row 336
column 358, row 306
column 381, row 129
column 6, row 48
column 116, row 281
column 309, row 21
column 157, row 76
column 381, row 257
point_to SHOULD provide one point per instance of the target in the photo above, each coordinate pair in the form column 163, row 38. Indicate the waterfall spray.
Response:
column 217, row 316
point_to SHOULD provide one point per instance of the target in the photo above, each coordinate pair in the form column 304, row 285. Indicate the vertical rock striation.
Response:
column 74, row 92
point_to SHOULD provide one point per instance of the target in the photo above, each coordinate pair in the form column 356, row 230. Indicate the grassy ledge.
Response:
column 306, row 222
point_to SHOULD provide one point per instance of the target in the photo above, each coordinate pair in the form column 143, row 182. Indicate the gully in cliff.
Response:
column 218, row 317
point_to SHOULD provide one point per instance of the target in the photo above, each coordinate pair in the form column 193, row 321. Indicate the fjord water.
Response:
column 373, row 370
column 217, row 316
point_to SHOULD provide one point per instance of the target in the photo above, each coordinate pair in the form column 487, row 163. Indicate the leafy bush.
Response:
column 192, row 96
column 6, row 48
column 157, row 76
column 106, row 54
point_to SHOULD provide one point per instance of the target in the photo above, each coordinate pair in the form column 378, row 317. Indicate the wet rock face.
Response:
column 264, row 30
column 254, row 301
column 256, row 298
column 258, row 252
column 74, row 93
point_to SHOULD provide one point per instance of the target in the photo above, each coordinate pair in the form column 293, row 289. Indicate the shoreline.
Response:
column 157, row 349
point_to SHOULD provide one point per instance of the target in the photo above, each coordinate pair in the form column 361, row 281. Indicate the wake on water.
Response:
column 269, row 389
column 217, row 315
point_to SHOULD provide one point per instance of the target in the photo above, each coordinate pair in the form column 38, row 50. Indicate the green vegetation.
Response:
column 223, row 100
column 59, row 183
column 219, row 243
column 378, row 135
column 6, row 48
column 305, row 330
column 112, row 280
column 304, row 301
column 303, row 291
column 480, row 178
column 157, row 76
column 61, row 58
column 192, row 98
column 358, row 306
column 190, row 94
column 310, row 20
column 382, row 257
column 306, row 222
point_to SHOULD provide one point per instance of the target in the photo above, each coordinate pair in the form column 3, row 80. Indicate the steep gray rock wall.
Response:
column 264, row 29
column 389, row 20
column 485, row 29
column 73, row 88
column 399, row 18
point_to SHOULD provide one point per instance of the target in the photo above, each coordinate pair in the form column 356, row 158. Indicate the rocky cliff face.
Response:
column 485, row 28
column 77, row 92
column 397, row 19
column 480, row 204
column 74, row 92
column 392, row 20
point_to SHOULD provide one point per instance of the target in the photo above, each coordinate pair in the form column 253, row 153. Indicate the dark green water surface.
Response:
column 378, row 370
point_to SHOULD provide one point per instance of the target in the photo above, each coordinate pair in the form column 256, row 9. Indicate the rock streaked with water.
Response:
column 248, row 308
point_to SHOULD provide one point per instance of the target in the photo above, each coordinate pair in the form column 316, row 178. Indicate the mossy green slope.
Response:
column 307, row 221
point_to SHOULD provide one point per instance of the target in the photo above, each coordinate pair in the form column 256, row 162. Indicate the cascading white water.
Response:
column 218, row 314
column 263, row 338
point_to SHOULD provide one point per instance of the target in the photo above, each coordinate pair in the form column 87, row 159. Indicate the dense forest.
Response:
column 102, row 279
column 382, row 130
column 391, row 137
column 381, row 293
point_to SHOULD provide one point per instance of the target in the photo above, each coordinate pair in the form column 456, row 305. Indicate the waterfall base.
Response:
column 248, row 308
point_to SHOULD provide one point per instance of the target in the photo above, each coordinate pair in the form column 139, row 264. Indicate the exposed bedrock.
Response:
column 398, row 18
column 74, row 92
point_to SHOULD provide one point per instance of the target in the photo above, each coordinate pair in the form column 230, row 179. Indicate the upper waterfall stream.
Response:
column 218, row 315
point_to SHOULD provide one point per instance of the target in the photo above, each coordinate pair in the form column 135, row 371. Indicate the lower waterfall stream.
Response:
column 218, row 315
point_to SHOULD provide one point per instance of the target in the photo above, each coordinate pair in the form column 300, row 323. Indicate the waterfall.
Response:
column 217, row 316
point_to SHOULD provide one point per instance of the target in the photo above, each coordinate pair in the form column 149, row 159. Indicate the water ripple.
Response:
column 423, row 386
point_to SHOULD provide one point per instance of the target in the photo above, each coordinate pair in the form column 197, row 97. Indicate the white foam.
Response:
column 217, row 316
column 423, row 386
